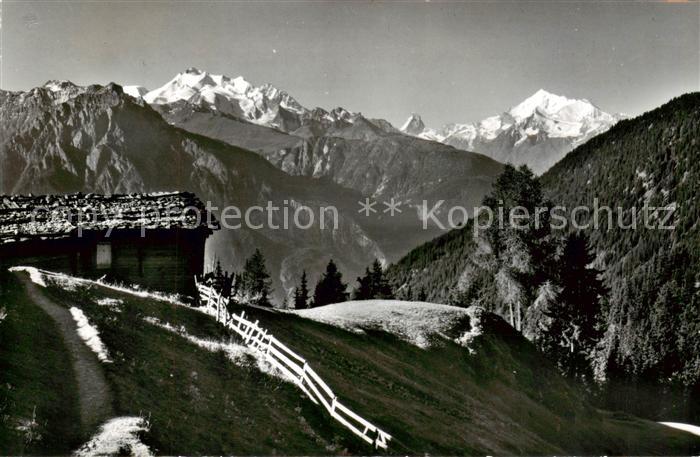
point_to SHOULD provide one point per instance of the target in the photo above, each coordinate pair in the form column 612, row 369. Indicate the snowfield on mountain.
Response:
column 265, row 105
column 135, row 91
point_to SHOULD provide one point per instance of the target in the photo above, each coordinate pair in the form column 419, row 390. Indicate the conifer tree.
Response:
column 373, row 284
column 256, row 283
column 574, row 327
column 364, row 288
column 524, row 251
column 422, row 295
column 218, row 271
column 301, row 293
column 330, row 288
column 581, row 285
column 382, row 288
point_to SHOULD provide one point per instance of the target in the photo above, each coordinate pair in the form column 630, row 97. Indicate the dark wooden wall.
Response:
column 164, row 260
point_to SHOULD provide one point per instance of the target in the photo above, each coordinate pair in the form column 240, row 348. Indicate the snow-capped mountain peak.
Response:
column 540, row 100
column 556, row 107
column 414, row 125
column 265, row 105
column 538, row 132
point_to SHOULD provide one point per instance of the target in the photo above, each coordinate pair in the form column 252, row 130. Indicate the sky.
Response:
column 449, row 62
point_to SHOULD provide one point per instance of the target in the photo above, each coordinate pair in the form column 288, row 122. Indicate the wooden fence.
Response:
column 291, row 364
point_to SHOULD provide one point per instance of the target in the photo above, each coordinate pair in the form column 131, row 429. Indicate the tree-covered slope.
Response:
column 651, row 317
column 432, row 270
column 654, row 274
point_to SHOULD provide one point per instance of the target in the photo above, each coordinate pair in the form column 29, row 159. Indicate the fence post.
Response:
column 218, row 306
column 248, row 330
column 261, row 339
column 241, row 319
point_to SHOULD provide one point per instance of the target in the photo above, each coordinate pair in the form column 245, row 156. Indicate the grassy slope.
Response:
column 198, row 401
column 505, row 399
column 35, row 372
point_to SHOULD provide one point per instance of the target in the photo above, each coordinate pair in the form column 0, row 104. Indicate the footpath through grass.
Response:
column 38, row 392
column 198, row 401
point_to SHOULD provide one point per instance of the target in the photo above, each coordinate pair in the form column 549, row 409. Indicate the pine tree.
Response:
column 373, row 284
column 235, row 292
column 380, row 284
column 256, row 283
column 221, row 280
column 218, row 271
column 301, row 293
column 364, row 289
column 330, row 288
column 581, row 285
column 574, row 329
column 523, row 255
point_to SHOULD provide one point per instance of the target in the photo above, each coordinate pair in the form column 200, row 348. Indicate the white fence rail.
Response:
column 291, row 364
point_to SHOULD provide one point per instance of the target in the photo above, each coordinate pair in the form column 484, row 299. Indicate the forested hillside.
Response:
column 653, row 274
column 430, row 271
column 649, row 309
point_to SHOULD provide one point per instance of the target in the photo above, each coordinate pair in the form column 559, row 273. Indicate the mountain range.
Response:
column 61, row 138
column 538, row 132
column 367, row 155
column 92, row 139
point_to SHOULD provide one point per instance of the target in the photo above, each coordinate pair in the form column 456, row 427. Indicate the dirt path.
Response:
column 93, row 391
